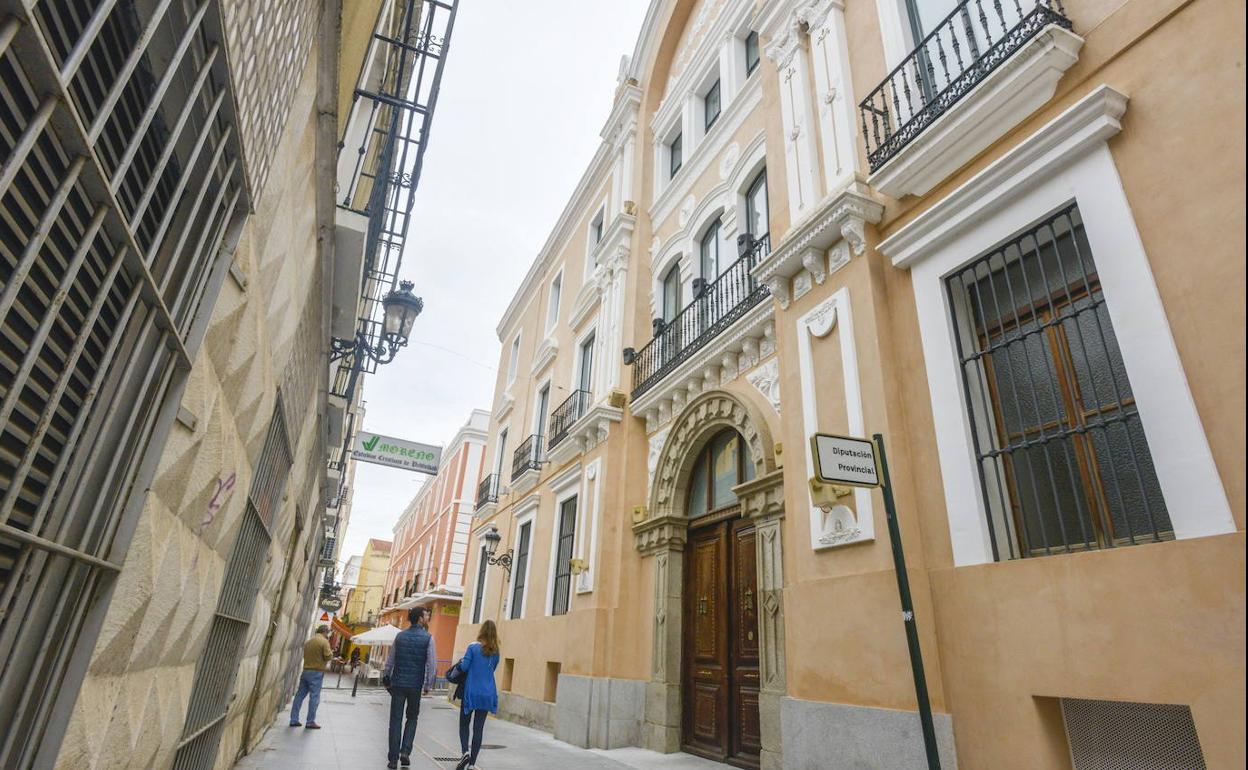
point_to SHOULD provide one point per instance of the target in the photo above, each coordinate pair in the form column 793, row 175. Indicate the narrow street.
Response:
column 354, row 736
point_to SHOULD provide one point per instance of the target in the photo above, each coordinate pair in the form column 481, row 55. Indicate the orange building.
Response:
column 431, row 540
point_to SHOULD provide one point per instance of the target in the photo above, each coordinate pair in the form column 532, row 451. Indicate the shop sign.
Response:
column 396, row 453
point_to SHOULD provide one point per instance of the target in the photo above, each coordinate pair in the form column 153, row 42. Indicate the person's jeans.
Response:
column 403, row 699
column 478, row 728
column 309, row 686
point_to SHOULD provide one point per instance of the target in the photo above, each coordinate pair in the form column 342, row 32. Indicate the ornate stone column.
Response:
column 762, row 500
column 663, row 539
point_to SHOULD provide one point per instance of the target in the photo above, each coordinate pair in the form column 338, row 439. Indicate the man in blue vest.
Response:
column 410, row 669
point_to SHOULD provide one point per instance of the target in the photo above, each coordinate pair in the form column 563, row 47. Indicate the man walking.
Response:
column 410, row 669
column 316, row 656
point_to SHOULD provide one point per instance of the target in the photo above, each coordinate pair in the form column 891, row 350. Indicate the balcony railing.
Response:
column 726, row 299
column 487, row 492
column 528, row 456
column 946, row 65
column 327, row 551
column 566, row 414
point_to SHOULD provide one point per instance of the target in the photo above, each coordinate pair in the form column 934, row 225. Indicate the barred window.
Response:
column 1063, row 461
column 520, row 570
column 563, row 557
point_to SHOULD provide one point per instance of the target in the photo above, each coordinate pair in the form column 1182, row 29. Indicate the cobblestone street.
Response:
column 354, row 736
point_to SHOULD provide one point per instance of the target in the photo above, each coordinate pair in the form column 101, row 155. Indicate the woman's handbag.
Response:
column 456, row 675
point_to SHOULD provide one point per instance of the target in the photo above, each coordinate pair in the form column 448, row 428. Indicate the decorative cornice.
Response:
column 763, row 498
column 585, row 304
column 1091, row 120
column 623, row 118
column 504, row 407
column 660, row 533
column 586, row 433
column 843, row 215
column 545, row 355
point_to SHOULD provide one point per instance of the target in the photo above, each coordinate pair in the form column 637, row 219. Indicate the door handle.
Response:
column 747, row 600
column 703, row 608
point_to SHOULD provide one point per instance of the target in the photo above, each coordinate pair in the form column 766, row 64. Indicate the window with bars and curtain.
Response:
column 520, row 570
column 218, row 663
column 1062, row 457
column 563, row 557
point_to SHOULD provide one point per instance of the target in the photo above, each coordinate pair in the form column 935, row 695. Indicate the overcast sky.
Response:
column 527, row 87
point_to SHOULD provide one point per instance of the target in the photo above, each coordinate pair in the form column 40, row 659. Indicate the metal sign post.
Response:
column 907, row 610
column 857, row 462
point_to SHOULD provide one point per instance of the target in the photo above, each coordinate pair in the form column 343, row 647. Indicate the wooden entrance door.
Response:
column 720, row 662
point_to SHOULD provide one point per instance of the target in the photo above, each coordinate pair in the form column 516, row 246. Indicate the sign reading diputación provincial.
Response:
column 396, row 453
column 845, row 460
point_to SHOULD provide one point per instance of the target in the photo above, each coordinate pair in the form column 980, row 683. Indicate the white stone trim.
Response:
column 529, row 516
column 1013, row 91
column 589, row 512
column 699, row 158
column 565, row 487
column 1067, row 159
column 839, row 526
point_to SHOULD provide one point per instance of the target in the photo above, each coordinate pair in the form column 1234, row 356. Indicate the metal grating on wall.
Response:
column 118, row 176
column 218, row 664
column 269, row 42
column 1116, row 735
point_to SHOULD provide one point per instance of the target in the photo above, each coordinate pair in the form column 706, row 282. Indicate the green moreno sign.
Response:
column 396, row 453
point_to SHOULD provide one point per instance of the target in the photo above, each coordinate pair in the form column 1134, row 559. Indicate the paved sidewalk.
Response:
column 354, row 736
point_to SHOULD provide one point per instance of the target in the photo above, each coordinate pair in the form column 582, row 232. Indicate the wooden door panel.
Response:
column 745, row 740
column 706, row 658
column 707, row 609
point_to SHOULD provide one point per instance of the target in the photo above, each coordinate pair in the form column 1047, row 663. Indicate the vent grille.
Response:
column 1114, row 735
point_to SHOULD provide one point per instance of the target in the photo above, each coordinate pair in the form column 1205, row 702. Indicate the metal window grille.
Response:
column 946, row 65
column 1063, row 461
column 563, row 557
column 1115, row 735
column 478, row 596
column 487, row 491
column 520, row 571
column 120, row 174
column 218, row 664
column 528, row 456
column 720, row 303
column 566, row 415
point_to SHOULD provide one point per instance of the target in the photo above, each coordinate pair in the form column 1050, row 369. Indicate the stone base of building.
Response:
column 836, row 736
column 600, row 713
column 526, row 711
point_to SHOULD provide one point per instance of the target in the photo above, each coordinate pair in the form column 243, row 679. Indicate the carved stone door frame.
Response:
column 662, row 536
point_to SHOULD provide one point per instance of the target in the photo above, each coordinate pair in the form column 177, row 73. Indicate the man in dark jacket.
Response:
column 410, row 669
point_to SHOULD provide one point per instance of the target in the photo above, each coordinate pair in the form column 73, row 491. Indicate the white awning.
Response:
column 381, row 636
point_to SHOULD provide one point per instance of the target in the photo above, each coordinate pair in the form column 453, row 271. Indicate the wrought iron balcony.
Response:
column 487, row 491
column 566, row 414
column 966, row 47
column 327, row 551
column 722, row 302
column 528, row 456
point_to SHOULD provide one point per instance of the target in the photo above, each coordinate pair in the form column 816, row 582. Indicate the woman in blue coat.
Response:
column 480, row 694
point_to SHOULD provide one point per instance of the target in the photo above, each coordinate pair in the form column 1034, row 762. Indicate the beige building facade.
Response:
column 174, row 260
column 364, row 599
column 967, row 228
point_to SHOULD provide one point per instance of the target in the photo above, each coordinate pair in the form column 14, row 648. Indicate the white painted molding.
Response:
column 698, row 159
column 1005, row 98
column 1067, row 160
column 843, row 215
column 1086, row 123
column 838, row 526
column 766, row 379
column 545, row 355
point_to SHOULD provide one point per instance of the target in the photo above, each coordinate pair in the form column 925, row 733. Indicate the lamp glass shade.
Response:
column 492, row 539
column 401, row 308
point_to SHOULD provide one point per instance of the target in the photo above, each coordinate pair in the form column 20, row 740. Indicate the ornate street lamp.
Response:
column 401, row 308
column 492, row 539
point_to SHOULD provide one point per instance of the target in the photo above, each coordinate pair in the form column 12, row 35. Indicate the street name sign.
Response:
column 845, row 460
column 396, row 453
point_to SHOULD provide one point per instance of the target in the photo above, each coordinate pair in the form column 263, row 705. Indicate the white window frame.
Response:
column 592, row 242
column 566, row 486
column 513, row 364
column 539, row 420
column 592, row 331
column 529, row 517
column 554, row 300
column 480, row 578
column 702, row 90
column 1068, row 159
column 500, row 448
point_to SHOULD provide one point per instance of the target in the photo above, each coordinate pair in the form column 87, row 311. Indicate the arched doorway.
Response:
column 715, row 508
column 720, row 657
